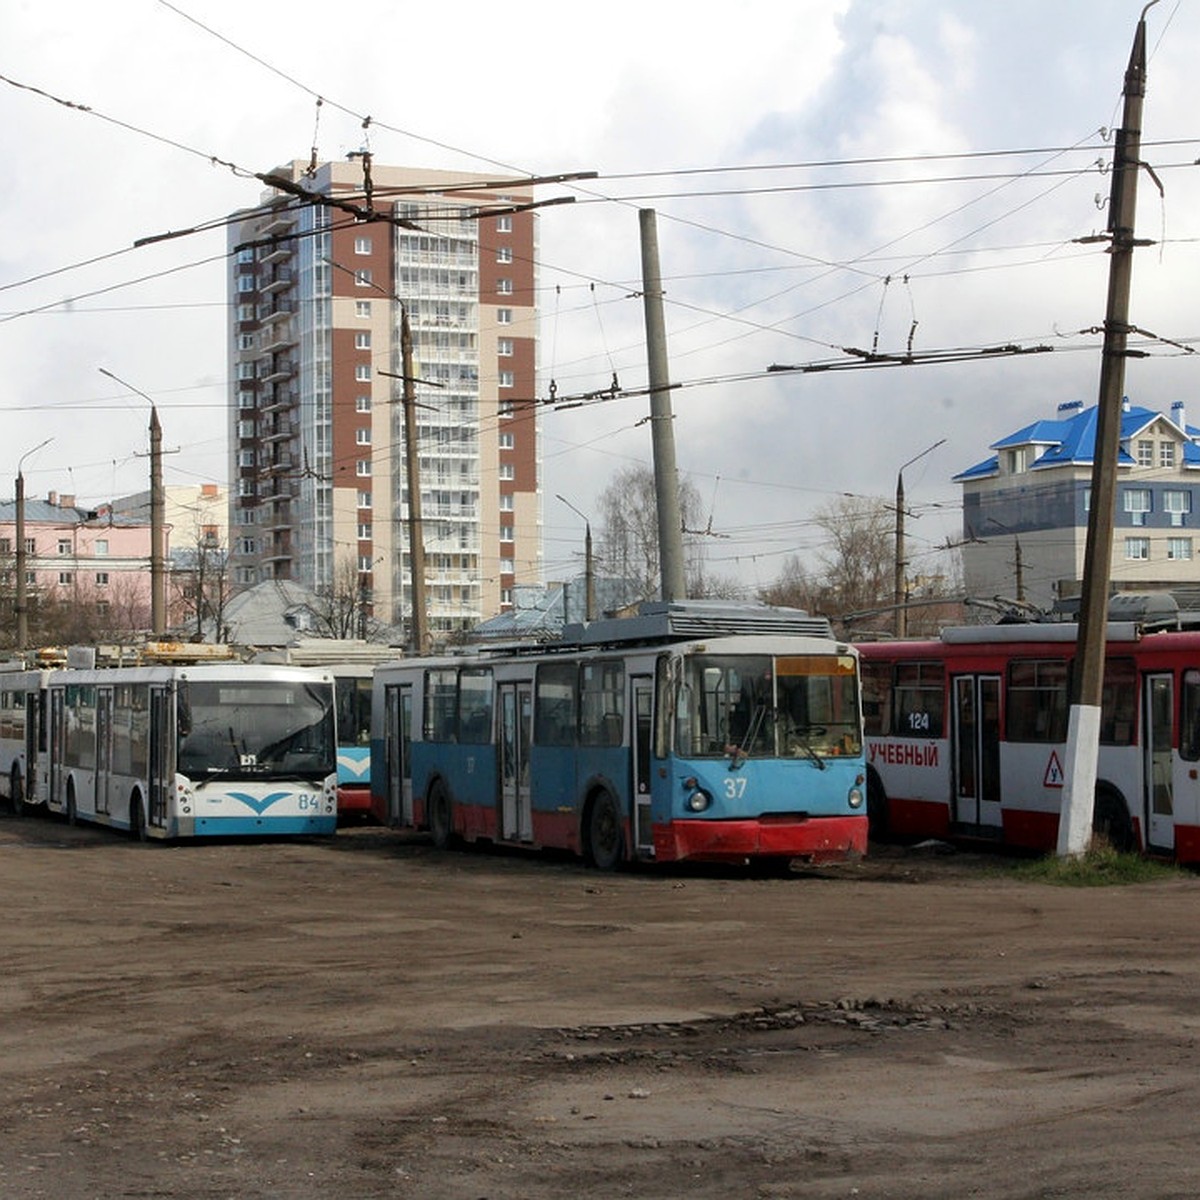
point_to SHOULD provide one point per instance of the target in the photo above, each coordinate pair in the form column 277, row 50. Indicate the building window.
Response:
column 362, row 245
column 362, row 403
column 1179, row 549
column 1145, row 453
column 362, row 437
column 245, row 370
column 100, row 547
column 1166, row 454
column 362, row 277
column 31, row 545
column 1177, row 504
column 362, row 372
column 362, row 308
column 64, row 545
column 506, row 503
column 245, row 399
column 507, row 441
column 245, row 458
column 506, row 566
column 1137, row 549
column 246, row 487
column 362, row 340
column 364, row 564
column 504, row 254
column 364, row 499
column 504, row 347
column 364, row 531
column 245, row 283
column 102, row 579
column 247, row 546
column 504, row 287
column 245, row 429
column 245, row 312
column 5, row 545
column 506, row 408
column 65, row 578
column 504, row 316
column 1137, row 504
column 506, row 379
column 1017, row 459
column 504, row 224
column 508, row 471
column 362, row 467
column 506, row 533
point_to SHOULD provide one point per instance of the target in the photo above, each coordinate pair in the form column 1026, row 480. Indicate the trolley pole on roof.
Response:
column 1083, row 729
column 666, row 476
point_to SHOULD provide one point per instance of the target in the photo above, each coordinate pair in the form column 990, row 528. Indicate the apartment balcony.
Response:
column 276, row 279
column 279, row 399
column 276, row 368
column 278, row 336
column 278, row 429
column 276, row 307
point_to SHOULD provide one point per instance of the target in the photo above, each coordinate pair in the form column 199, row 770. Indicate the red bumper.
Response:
column 814, row 839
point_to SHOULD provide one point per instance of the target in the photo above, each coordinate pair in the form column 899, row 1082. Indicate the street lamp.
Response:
column 589, row 575
column 899, row 598
column 22, row 594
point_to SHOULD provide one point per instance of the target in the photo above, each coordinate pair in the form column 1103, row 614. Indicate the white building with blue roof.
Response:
column 1025, row 508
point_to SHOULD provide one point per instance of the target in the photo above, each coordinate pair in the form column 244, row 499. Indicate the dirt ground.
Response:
column 366, row 1017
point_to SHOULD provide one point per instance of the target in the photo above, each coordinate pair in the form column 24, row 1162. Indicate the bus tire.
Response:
column 137, row 823
column 878, row 826
column 605, row 844
column 16, row 793
column 1111, row 822
column 440, row 815
column 72, row 813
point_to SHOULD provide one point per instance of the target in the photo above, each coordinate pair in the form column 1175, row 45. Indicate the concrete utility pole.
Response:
column 589, row 571
column 666, row 476
column 1083, row 726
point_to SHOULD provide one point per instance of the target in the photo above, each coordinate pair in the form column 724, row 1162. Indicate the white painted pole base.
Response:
column 1079, row 781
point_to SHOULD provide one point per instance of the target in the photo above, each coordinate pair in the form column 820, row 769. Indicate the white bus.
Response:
column 207, row 750
column 23, row 735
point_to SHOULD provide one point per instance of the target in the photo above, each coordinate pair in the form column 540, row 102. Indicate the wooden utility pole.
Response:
column 412, row 462
column 1083, row 726
column 666, row 475
column 158, row 558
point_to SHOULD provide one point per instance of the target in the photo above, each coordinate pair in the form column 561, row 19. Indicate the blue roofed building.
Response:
column 1025, row 508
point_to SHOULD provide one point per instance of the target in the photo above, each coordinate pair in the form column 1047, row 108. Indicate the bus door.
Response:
column 643, row 716
column 397, row 750
column 58, row 745
column 516, row 729
column 35, row 740
column 1158, row 695
column 975, row 750
column 159, row 767
column 104, row 749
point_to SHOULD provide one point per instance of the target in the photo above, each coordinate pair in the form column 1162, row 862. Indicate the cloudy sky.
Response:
column 828, row 175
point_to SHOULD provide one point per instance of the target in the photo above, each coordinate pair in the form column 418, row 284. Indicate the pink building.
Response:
column 88, row 556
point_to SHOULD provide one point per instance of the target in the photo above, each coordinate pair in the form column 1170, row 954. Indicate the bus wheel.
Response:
column 16, row 792
column 441, row 823
column 605, row 838
column 72, row 816
column 137, row 826
column 1110, row 821
column 877, row 810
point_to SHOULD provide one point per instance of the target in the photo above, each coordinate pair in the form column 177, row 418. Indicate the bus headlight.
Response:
column 855, row 797
column 698, row 801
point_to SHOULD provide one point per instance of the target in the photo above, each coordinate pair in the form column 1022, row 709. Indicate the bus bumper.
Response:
column 255, row 826
column 814, row 839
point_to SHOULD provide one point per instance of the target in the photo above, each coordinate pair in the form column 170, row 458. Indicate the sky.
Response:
column 828, row 177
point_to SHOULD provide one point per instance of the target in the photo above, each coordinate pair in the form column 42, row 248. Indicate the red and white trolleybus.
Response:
column 966, row 736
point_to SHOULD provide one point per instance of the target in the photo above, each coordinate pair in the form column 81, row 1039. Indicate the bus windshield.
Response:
column 264, row 728
column 798, row 706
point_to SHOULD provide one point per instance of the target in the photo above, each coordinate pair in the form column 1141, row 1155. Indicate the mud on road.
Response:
column 366, row 1017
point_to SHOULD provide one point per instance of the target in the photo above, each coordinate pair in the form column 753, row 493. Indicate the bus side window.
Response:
column 1189, row 717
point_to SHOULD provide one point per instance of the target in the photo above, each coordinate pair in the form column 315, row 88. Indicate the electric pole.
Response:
column 158, row 568
column 1083, row 726
column 666, row 476
column 412, row 462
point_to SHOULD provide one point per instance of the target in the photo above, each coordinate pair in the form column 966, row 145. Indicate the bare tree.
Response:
column 858, row 557
column 200, row 585
column 342, row 610
column 629, row 532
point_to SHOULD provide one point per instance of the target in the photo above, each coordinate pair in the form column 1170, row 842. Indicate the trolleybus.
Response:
column 23, row 735
column 192, row 751
column 966, row 736
column 351, row 663
column 693, row 731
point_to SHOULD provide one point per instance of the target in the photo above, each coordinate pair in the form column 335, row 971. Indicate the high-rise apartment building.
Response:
column 318, row 477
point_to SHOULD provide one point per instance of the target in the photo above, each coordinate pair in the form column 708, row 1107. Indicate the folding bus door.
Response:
column 516, row 729
column 1158, row 760
column 975, row 750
